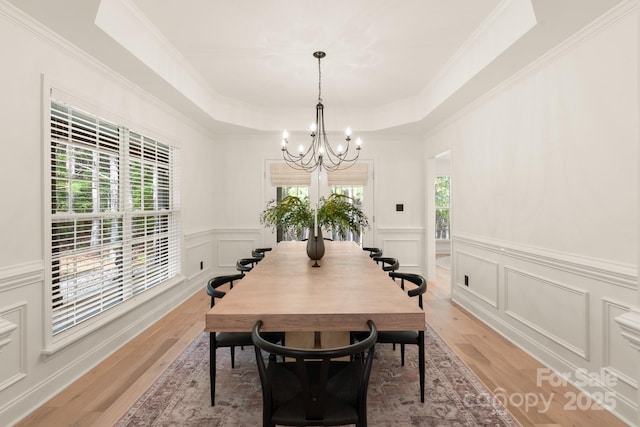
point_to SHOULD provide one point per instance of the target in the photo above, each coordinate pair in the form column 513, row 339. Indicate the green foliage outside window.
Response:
column 443, row 195
column 336, row 212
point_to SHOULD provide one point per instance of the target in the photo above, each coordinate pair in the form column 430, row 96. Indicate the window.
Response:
column 442, row 207
column 293, row 190
column 114, row 221
column 355, row 192
column 301, row 191
column 350, row 181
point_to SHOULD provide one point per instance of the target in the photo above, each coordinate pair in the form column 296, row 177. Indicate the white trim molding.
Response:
column 6, row 328
column 630, row 329
column 617, row 274
column 630, row 325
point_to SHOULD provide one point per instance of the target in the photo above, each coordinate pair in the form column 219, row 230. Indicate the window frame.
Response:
column 167, row 229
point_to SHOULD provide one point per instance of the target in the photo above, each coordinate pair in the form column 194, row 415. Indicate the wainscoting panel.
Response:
column 199, row 257
column 13, row 341
column 405, row 244
column 478, row 276
column 229, row 251
column 406, row 250
column 21, row 317
column 227, row 245
column 558, row 307
column 617, row 361
column 554, row 310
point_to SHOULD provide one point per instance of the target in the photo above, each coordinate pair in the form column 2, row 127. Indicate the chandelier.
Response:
column 320, row 154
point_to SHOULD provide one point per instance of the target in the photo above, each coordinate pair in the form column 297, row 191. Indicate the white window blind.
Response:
column 113, row 223
column 283, row 175
column 355, row 174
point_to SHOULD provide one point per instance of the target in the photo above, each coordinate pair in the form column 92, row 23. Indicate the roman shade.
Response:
column 355, row 175
column 283, row 175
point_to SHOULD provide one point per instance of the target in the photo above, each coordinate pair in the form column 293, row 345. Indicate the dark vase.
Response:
column 315, row 245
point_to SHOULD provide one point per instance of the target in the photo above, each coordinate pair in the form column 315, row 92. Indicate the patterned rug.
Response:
column 454, row 395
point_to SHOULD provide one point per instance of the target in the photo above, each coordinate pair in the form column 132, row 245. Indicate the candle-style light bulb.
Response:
column 285, row 134
column 340, row 148
column 358, row 142
column 312, row 127
column 284, row 143
column 348, row 131
column 301, row 148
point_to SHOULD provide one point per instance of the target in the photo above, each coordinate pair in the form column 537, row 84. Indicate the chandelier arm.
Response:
column 336, row 158
column 342, row 166
column 295, row 164
column 303, row 161
column 295, row 159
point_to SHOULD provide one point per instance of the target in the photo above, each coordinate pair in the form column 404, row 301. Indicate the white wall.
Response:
column 399, row 178
column 545, row 206
column 27, row 376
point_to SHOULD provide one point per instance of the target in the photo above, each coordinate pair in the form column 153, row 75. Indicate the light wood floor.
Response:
column 103, row 395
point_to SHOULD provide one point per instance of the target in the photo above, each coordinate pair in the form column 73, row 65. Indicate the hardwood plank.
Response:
column 124, row 401
column 119, row 380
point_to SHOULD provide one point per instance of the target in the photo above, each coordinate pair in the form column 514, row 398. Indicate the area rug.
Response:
column 454, row 395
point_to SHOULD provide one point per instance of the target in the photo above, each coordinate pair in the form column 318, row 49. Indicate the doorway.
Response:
column 439, row 185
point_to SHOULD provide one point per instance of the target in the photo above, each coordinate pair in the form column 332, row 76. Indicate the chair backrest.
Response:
column 388, row 264
column 313, row 375
column 246, row 264
column 370, row 249
column 218, row 281
column 259, row 252
column 256, row 254
column 373, row 252
column 416, row 279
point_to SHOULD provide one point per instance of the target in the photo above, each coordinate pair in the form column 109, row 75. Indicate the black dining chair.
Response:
column 259, row 252
column 403, row 338
column 227, row 339
column 409, row 337
column 314, row 389
column 373, row 252
column 388, row 263
column 245, row 265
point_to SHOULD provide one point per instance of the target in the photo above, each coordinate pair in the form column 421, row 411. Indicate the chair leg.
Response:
column 402, row 354
column 421, row 363
column 212, row 366
column 233, row 357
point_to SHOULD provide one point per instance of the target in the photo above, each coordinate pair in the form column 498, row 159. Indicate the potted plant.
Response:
column 337, row 213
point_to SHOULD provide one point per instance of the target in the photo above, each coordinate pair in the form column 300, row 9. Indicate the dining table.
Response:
column 287, row 293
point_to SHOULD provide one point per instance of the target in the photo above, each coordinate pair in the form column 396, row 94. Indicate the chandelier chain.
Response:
column 319, row 82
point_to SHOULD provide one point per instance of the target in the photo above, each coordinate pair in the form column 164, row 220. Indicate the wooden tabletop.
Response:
column 288, row 294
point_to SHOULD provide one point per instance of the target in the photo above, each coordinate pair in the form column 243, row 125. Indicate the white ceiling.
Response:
column 398, row 65
column 260, row 52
